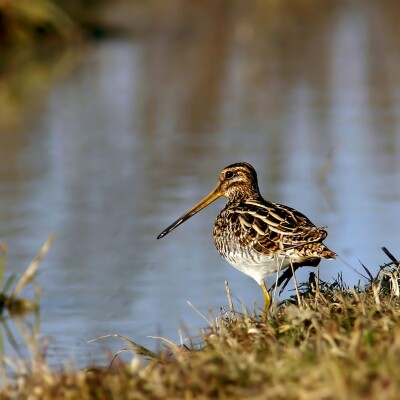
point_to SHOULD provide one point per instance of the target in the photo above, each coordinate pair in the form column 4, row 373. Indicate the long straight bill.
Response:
column 214, row 195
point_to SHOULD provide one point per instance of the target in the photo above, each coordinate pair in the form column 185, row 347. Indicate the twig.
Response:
column 230, row 302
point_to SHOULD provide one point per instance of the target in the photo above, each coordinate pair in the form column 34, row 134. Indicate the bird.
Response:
column 256, row 236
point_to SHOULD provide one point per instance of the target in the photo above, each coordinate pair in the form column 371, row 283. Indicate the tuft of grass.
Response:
column 9, row 298
column 334, row 349
column 341, row 343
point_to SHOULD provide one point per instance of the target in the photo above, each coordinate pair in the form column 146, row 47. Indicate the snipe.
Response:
column 256, row 236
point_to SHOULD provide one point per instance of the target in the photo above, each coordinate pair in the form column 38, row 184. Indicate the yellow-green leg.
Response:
column 267, row 299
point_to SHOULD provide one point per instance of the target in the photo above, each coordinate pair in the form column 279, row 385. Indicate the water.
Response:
column 138, row 132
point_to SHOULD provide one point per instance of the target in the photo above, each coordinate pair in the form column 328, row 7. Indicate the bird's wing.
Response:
column 275, row 224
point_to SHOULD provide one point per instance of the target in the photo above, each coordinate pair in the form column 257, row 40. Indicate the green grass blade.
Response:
column 9, row 282
column 139, row 349
column 3, row 251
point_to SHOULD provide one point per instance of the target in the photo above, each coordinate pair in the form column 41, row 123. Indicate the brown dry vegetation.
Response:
column 338, row 345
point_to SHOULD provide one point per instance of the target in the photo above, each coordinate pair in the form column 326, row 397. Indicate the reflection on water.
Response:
column 139, row 132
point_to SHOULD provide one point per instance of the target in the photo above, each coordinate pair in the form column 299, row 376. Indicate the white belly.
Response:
column 259, row 266
column 246, row 259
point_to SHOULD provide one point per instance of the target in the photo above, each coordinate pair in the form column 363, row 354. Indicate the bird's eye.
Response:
column 228, row 174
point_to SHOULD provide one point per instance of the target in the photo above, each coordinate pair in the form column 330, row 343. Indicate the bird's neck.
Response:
column 241, row 197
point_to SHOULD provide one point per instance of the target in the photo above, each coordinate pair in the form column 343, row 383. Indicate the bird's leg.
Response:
column 267, row 300
column 279, row 265
column 295, row 283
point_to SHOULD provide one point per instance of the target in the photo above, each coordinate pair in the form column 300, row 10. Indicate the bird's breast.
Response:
column 239, row 248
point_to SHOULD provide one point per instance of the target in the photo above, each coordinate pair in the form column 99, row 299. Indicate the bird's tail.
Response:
column 329, row 254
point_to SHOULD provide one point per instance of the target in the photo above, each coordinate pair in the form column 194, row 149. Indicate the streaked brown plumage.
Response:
column 256, row 236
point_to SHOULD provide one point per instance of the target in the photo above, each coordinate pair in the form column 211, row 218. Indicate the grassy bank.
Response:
column 339, row 344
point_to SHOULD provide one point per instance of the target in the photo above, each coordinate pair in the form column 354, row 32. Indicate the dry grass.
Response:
column 340, row 344
column 10, row 299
